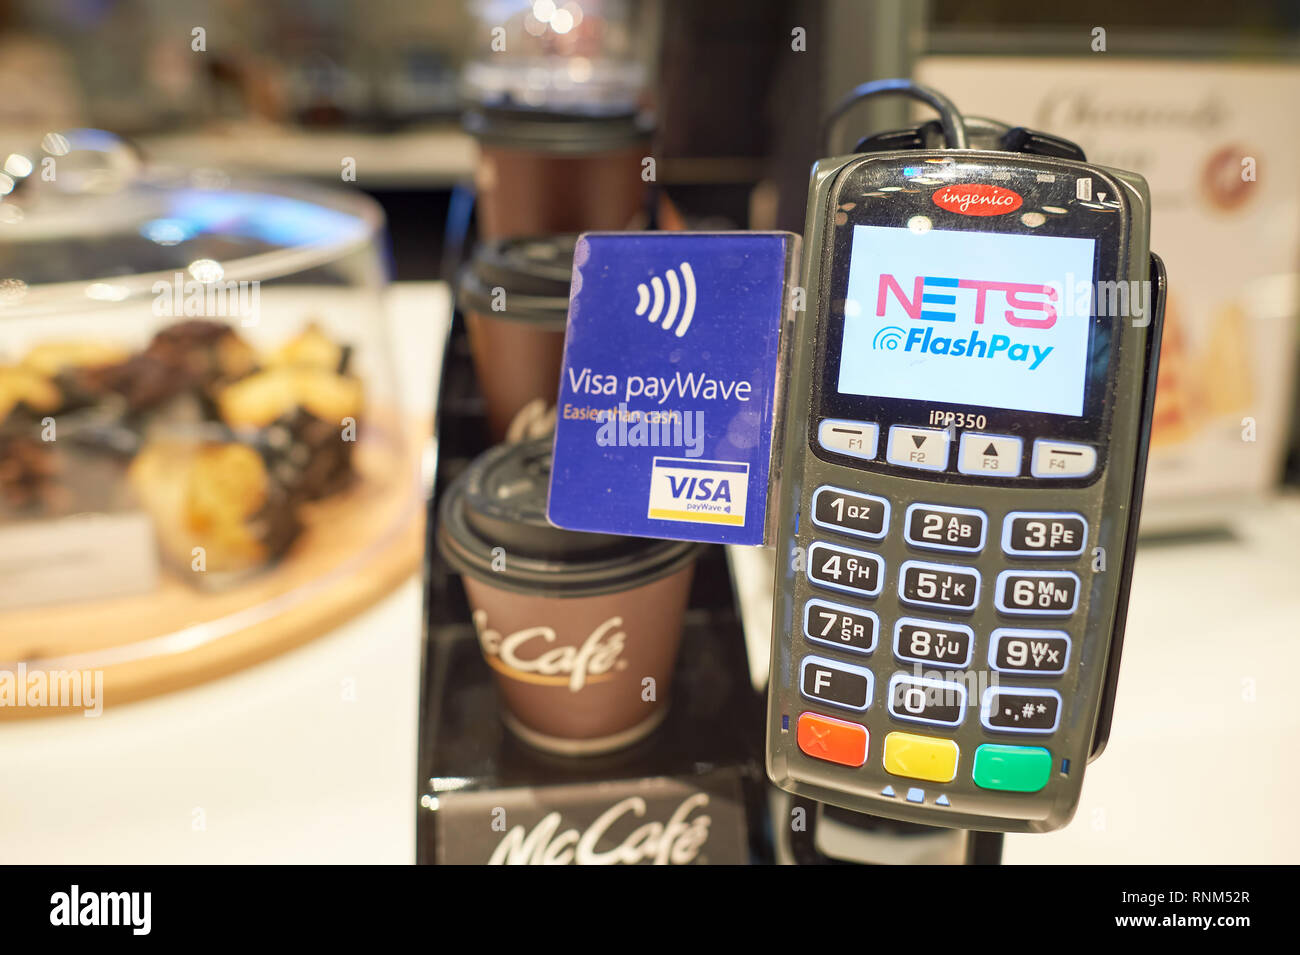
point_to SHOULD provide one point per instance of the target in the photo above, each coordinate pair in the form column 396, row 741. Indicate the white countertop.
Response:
column 1201, row 765
column 424, row 156
column 275, row 764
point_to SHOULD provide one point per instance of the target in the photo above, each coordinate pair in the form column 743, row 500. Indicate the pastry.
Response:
column 209, row 352
column 223, row 444
column 29, row 472
column 306, row 418
column 51, row 358
column 215, row 507
column 269, row 395
column 311, row 457
column 194, row 356
column 311, row 348
column 22, row 388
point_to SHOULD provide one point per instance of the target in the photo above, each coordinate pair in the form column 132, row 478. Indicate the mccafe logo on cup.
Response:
column 532, row 655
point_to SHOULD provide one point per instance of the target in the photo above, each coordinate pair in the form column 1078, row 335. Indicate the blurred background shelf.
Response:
column 435, row 157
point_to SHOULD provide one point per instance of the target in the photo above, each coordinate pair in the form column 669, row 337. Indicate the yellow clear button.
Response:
column 921, row 757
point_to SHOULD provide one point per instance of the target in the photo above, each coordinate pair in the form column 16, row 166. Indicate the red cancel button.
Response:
column 977, row 199
column 836, row 741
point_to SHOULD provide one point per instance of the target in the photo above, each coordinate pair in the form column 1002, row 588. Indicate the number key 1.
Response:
column 849, row 512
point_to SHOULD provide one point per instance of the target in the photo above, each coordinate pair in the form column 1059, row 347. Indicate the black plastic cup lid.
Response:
column 534, row 273
column 520, row 127
column 493, row 526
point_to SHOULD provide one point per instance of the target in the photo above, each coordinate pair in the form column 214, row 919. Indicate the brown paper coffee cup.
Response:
column 541, row 172
column 581, row 630
column 515, row 298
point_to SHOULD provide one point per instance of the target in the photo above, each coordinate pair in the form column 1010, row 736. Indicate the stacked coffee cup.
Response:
column 580, row 630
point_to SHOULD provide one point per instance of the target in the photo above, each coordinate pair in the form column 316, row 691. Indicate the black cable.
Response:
column 954, row 128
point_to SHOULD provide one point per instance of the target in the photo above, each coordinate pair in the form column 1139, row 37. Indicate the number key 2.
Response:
column 935, row 527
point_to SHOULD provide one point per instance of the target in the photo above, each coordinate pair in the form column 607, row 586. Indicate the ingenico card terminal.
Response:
column 967, row 418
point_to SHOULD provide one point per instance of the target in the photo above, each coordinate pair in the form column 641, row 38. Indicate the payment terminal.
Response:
column 968, row 410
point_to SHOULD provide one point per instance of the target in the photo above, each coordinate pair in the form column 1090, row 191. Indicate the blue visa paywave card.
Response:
column 666, row 411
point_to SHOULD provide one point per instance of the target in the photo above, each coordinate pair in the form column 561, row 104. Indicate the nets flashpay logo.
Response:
column 934, row 299
column 700, row 492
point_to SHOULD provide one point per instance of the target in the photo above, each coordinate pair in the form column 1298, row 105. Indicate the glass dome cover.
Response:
column 204, row 459
column 89, row 220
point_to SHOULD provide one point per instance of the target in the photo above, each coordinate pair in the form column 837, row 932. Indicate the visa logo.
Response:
column 700, row 489
column 699, row 492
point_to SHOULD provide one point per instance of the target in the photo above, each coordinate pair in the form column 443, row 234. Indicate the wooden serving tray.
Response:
column 355, row 547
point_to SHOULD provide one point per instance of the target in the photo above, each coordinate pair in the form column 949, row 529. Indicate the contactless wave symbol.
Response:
column 888, row 338
column 681, row 293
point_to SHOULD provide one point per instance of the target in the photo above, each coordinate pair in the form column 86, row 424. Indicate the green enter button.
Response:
column 1016, row 769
